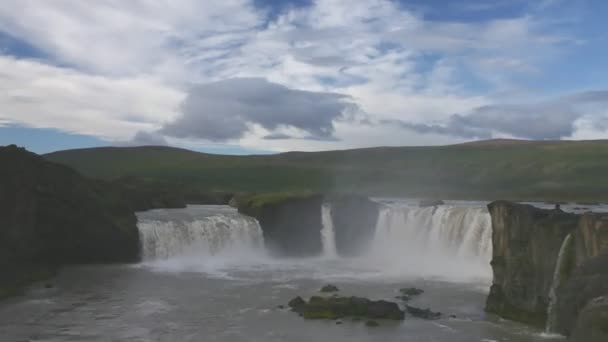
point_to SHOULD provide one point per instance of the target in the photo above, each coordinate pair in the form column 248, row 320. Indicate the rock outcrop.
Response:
column 591, row 237
column 587, row 277
column 50, row 215
column 592, row 323
column 526, row 242
column 339, row 307
column 354, row 219
column 291, row 223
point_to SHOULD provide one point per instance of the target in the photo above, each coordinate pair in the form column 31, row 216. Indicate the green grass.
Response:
column 576, row 171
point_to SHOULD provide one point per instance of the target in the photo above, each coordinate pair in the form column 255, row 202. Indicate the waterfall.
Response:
column 445, row 240
column 185, row 232
column 328, row 237
column 550, row 326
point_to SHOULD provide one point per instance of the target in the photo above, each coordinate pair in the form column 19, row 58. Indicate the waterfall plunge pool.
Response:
column 206, row 277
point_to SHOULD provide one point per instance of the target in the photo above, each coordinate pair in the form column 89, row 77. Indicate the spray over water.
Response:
column 328, row 237
column 444, row 241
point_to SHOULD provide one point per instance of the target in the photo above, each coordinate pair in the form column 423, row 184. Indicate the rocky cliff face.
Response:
column 49, row 214
column 354, row 219
column 587, row 277
column 526, row 242
column 291, row 223
column 592, row 323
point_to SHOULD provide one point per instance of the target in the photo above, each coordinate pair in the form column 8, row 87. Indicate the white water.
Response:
column 444, row 241
column 550, row 327
column 328, row 237
column 221, row 233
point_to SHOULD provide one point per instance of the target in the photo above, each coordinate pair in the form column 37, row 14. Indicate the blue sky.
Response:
column 258, row 76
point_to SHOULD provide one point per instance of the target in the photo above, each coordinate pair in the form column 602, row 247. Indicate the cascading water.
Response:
column 327, row 232
column 196, row 232
column 550, row 327
column 445, row 241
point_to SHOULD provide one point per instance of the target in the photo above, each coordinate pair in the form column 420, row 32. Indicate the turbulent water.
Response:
column 206, row 277
column 450, row 241
column 223, row 232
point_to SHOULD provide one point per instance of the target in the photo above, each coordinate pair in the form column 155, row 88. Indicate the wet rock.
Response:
column 525, row 242
column 339, row 307
column 422, row 313
column 296, row 303
column 592, row 323
column 372, row 324
column 430, row 203
column 354, row 218
column 329, row 288
column 291, row 222
column 407, row 293
column 588, row 281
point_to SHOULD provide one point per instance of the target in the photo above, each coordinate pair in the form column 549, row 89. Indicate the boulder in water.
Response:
column 422, row 313
column 407, row 293
column 329, row 288
column 296, row 304
column 337, row 307
column 372, row 324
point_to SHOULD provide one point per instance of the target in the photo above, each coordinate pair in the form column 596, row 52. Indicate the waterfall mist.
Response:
column 452, row 242
column 328, row 236
column 447, row 242
column 199, row 235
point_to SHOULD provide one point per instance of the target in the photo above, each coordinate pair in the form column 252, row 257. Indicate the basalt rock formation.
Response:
column 354, row 219
column 592, row 323
column 526, row 243
column 587, row 275
column 291, row 223
column 50, row 215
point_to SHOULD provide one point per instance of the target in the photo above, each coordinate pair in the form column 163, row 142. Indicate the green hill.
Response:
column 508, row 169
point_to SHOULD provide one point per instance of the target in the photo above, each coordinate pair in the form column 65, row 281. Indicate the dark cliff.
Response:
column 354, row 219
column 526, row 242
column 291, row 223
column 586, row 278
column 51, row 215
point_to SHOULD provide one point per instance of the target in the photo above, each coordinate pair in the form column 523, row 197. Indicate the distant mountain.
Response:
column 508, row 169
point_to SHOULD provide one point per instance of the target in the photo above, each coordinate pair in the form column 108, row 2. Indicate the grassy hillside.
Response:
column 506, row 169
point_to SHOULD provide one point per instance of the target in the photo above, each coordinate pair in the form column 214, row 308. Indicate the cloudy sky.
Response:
column 254, row 76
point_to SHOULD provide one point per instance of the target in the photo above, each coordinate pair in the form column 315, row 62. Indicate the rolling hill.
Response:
column 507, row 169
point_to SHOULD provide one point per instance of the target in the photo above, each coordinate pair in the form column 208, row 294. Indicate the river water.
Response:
column 206, row 277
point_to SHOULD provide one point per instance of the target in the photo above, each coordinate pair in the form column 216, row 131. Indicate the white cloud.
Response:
column 43, row 96
column 129, row 64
